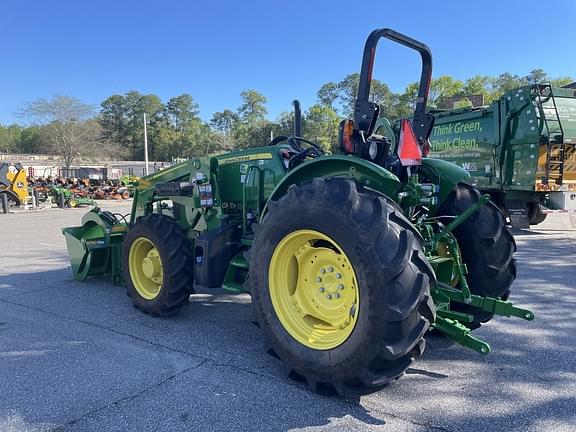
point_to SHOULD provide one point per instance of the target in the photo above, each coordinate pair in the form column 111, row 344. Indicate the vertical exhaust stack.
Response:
column 297, row 118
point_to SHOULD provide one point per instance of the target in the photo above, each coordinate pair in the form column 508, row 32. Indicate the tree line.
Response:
column 69, row 128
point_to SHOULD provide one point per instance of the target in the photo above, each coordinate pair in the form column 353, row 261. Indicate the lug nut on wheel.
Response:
column 338, row 275
column 329, row 296
column 340, row 286
column 321, row 289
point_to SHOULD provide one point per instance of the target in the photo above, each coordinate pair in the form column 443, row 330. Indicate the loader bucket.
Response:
column 94, row 248
column 83, row 260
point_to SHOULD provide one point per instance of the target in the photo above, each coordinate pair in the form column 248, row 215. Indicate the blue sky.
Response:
column 284, row 49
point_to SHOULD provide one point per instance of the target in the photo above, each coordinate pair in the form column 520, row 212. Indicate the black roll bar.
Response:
column 365, row 113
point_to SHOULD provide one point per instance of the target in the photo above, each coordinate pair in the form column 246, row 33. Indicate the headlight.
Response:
column 373, row 150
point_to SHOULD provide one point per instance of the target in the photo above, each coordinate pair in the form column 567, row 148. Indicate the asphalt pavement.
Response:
column 78, row 356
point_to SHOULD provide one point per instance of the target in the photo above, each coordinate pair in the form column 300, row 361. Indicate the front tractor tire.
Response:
column 487, row 249
column 157, row 265
column 340, row 286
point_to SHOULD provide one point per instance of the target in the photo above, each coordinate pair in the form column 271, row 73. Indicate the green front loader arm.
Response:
column 144, row 191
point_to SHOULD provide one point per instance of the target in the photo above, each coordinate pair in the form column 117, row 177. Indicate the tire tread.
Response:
column 178, row 283
column 391, row 237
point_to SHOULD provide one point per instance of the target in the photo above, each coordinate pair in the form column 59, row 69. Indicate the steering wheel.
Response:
column 296, row 143
column 299, row 157
column 278, row 139
column 313, row 149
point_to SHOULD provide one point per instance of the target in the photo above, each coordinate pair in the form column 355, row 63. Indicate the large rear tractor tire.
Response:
column 157, row 265
column 340, row 287
column 487, row 249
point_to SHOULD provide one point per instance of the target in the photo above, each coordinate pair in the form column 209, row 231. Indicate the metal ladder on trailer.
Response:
column 555, row 147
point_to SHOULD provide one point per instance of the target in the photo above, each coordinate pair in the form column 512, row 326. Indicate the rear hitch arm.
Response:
column 450, row 322
column 463, row 216
column 488, row 304
column 446, row 236
column 461, row 334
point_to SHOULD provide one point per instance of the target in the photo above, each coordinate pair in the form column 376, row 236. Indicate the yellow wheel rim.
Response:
column 145, row 266
column 314, row 289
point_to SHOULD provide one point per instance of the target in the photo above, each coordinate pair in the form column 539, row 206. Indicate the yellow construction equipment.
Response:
column 13, row 183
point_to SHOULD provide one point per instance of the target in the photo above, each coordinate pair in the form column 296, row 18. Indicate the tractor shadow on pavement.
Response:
column 80, row 355
column 202, row 368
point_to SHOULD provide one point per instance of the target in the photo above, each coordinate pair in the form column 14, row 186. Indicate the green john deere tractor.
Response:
column 349, row 259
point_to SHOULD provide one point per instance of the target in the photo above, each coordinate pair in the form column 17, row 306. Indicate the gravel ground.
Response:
column 79, row 357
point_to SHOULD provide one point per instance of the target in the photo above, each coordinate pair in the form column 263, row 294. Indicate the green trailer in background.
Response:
column 521, row 149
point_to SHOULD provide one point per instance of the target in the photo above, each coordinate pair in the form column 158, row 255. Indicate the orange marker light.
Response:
column 347, row 132
column 409, row 150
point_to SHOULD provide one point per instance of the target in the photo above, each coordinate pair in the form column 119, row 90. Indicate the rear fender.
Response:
column 442, row 173
column 360, row 170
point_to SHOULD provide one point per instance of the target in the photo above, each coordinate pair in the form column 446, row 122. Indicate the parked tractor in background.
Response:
column 67, row 197
column 521, row 149
column 349, row 259
column 128, row 183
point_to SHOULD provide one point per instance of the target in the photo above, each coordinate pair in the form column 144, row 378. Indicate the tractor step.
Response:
column 236, row 274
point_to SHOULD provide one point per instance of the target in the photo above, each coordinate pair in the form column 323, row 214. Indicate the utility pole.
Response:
column 145, row 146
